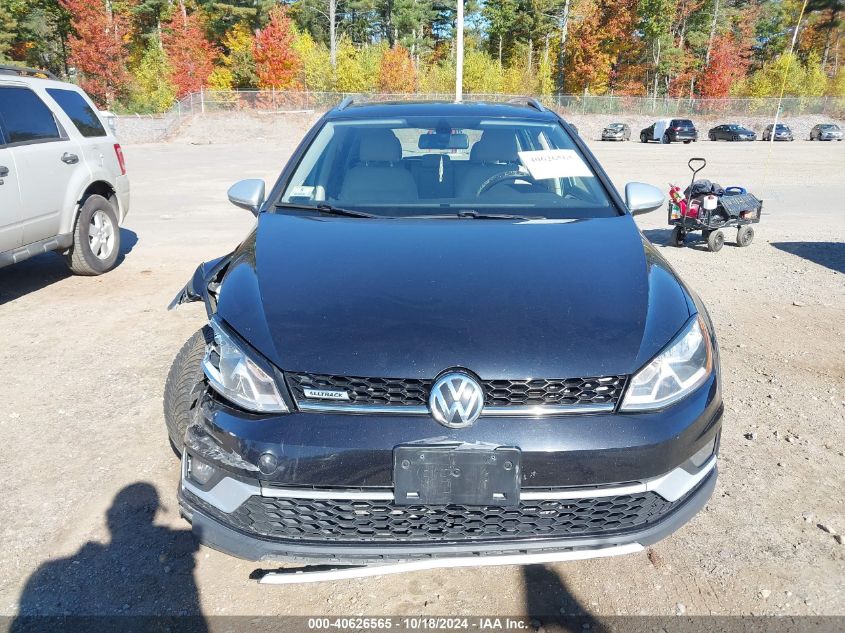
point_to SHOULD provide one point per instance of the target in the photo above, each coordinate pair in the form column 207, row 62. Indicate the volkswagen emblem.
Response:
column 456, row 400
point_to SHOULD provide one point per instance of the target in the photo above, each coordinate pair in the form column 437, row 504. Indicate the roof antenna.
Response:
column 459, row 53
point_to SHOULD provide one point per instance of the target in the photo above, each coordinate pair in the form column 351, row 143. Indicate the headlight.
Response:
column 239, row 378
column 679, row 369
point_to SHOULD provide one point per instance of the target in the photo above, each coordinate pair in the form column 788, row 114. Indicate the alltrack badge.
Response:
column 326, row 394
column 456, row 400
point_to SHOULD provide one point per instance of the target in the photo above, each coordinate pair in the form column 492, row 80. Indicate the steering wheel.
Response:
column 505, row 176
column 576, row 194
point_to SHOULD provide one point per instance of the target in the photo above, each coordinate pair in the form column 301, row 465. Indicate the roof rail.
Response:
column 531, row 102
column 21, row 71
column 347, row 101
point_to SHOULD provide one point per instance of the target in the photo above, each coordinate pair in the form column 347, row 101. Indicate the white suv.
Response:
column 63, row 183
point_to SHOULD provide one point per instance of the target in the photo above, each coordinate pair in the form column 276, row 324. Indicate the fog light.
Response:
column 267, row 463
column 703, row 454
column 199, row 471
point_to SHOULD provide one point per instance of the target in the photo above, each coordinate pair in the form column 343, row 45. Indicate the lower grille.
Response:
column 339, row 521
column 497, row 393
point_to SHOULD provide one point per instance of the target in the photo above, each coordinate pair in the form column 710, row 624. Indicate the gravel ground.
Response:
column 90, row 521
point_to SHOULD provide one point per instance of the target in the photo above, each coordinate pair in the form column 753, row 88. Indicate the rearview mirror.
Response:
column 642, row 198
column 247, row 194
column 443, row 140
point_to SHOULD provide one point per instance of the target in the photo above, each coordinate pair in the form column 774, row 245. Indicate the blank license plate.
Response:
column 438, row 475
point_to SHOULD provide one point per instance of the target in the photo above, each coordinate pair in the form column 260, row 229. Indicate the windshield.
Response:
column 829, row 126
column 446, row 166
column 614, row 126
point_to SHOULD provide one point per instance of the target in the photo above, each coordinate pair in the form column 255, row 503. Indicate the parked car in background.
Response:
column 670, row 131
column 782, row 133
column 826, row 132
column 63, row 183
column 305, row 393
column 731, row 132
column 616, row 132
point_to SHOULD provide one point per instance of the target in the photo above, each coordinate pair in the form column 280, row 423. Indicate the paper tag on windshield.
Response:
column 555, row 163
column 302, row 191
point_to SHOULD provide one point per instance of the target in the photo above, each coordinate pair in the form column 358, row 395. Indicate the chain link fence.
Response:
column 272, row 100
column 145, row 128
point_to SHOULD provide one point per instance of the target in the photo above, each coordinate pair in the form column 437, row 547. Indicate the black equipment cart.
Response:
column 734, row 208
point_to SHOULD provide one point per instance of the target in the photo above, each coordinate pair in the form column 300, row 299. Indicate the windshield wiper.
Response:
column 328, row 209
column 475, row 215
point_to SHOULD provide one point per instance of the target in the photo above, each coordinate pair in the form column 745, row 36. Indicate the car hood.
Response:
column 411, row 298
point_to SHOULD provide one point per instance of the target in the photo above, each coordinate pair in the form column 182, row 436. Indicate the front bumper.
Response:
column 689, row 491
column 327, row 499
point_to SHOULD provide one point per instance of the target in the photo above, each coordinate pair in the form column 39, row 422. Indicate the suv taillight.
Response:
column 119, row 153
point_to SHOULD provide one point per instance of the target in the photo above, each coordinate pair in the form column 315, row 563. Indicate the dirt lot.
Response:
column 83, row 362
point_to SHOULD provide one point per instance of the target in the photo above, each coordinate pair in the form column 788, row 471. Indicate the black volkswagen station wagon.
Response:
column 444, row 342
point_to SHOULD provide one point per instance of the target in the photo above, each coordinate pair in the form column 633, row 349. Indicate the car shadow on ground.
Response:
column 548, row 600
column 144, row 572
column 44, row 270
column 828, row 254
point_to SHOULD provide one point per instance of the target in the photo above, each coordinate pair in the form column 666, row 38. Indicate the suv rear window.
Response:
column 681, row 123
column 26, row 118
column 78, row 110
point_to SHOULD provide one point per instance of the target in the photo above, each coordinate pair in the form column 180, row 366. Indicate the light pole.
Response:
column 459, row 52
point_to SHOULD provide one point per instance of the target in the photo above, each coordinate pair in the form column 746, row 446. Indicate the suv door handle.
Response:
column 70, row 159
column 4, row 171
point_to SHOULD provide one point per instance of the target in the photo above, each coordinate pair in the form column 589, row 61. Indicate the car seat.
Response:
column 379, row 175
column 494, row 153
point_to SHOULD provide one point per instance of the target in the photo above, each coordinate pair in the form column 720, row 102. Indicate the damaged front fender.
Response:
column 204, row 285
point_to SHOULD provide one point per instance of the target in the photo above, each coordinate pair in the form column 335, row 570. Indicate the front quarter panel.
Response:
column 668, row 305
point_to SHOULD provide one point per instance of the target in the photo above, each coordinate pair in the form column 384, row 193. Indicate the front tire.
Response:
column 96, row 238
column 744, row 236
column 182, row 389
column 715, row 241
column 676, row 239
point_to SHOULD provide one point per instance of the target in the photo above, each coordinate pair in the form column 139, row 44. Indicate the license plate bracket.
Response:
column 443, row 475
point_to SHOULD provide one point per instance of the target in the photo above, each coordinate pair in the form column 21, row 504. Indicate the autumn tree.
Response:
column 8, row 28
column 316, row 73
column 277, row 63
column 97, row 49
column 726, row 66
column 190, row 54
column 152, row 90
column 396, row 72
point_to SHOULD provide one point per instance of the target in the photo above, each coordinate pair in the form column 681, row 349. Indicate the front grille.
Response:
column 340, row 521
column 497, row 393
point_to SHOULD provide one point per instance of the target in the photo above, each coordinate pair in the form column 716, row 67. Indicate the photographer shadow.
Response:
column 550, row 603
column 145, row 571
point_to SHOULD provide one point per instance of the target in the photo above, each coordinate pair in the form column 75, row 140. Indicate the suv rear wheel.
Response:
column 96, row 238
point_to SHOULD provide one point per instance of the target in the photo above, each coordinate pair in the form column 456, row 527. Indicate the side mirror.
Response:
column 247, row 194
column 642, row 198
